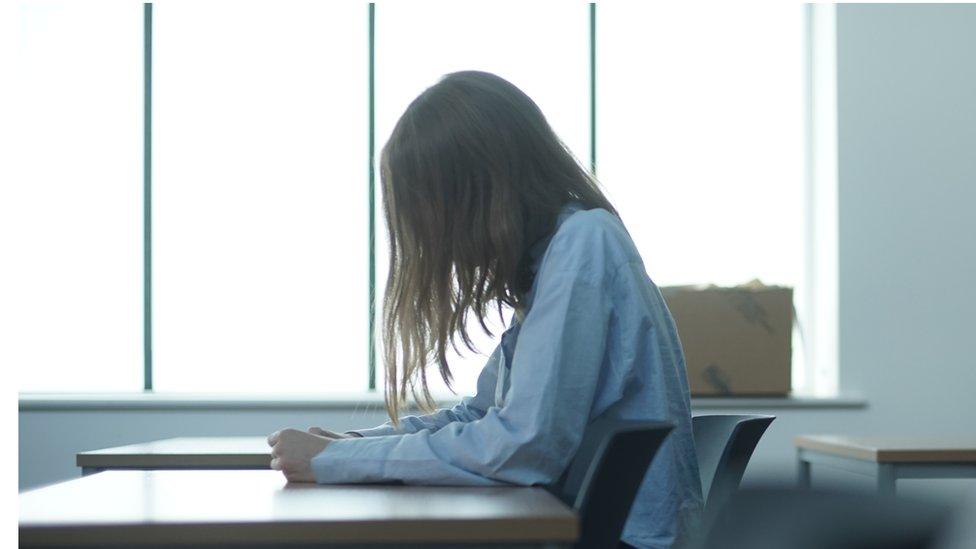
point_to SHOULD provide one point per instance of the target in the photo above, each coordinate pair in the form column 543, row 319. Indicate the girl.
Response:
column 487, row 208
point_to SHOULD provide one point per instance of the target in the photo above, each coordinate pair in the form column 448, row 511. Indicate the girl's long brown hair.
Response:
column 472, row 175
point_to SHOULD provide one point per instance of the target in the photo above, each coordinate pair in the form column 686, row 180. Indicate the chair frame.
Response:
column 742, row 440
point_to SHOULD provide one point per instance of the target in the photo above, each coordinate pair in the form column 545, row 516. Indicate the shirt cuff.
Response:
column 381, row 431
column 352, row 460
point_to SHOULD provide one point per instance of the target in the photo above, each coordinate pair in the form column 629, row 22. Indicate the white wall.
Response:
column 907, row 187
column 907, row 167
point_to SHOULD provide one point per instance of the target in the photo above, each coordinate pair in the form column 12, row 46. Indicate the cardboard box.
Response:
column 737, row 341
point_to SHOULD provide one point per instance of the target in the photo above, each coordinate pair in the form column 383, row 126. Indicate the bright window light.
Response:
column 260, row 196
column 260, row 234
column 700, row 137
column 74, row 214
column 541, row 47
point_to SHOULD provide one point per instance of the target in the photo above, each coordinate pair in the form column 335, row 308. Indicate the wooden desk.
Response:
column 181, row 453
column 888, row 459
column 258, row 508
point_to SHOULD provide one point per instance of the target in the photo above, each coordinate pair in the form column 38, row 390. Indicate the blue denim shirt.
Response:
column 597, row 341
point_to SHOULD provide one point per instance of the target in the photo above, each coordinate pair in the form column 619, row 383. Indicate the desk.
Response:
column 181, row 453
column 258, row 508
column 888, row 459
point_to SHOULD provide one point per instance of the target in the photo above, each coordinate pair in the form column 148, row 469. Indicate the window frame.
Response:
column 820, row 233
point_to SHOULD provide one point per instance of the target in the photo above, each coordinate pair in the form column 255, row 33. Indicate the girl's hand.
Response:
column 292, row 452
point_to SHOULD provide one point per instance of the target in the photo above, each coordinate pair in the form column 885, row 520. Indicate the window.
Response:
column 259, row 196
column 701, row 140
column 75, row 271
column 704, row 137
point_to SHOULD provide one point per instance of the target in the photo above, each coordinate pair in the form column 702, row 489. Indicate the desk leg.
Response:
column 802, row 473
column 886, row 479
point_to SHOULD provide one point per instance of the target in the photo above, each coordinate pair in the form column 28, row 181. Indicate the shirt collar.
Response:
column 538, row 248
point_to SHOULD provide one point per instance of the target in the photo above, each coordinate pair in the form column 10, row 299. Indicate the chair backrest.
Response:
column 724, row 444
column 604, row 476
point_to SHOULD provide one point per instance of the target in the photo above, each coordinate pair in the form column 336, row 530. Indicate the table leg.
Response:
column 886, row 478
column 85, row 471
column 802, row 473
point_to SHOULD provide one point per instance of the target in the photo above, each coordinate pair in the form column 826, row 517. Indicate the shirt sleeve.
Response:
column 469, row 409
column 533, row 436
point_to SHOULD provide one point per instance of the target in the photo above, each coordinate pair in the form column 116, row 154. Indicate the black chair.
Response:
column 724, row 444
column 604, row 476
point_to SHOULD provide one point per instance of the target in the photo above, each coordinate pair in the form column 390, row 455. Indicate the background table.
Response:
column 888, row 459
column 181, row 453
column 255, row 508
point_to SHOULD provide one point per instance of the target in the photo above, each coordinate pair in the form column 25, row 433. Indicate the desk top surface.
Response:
column 250, row 452
column 891, row 449
column 201, row 507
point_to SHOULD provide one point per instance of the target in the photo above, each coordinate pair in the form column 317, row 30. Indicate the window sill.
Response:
column 348, row 401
